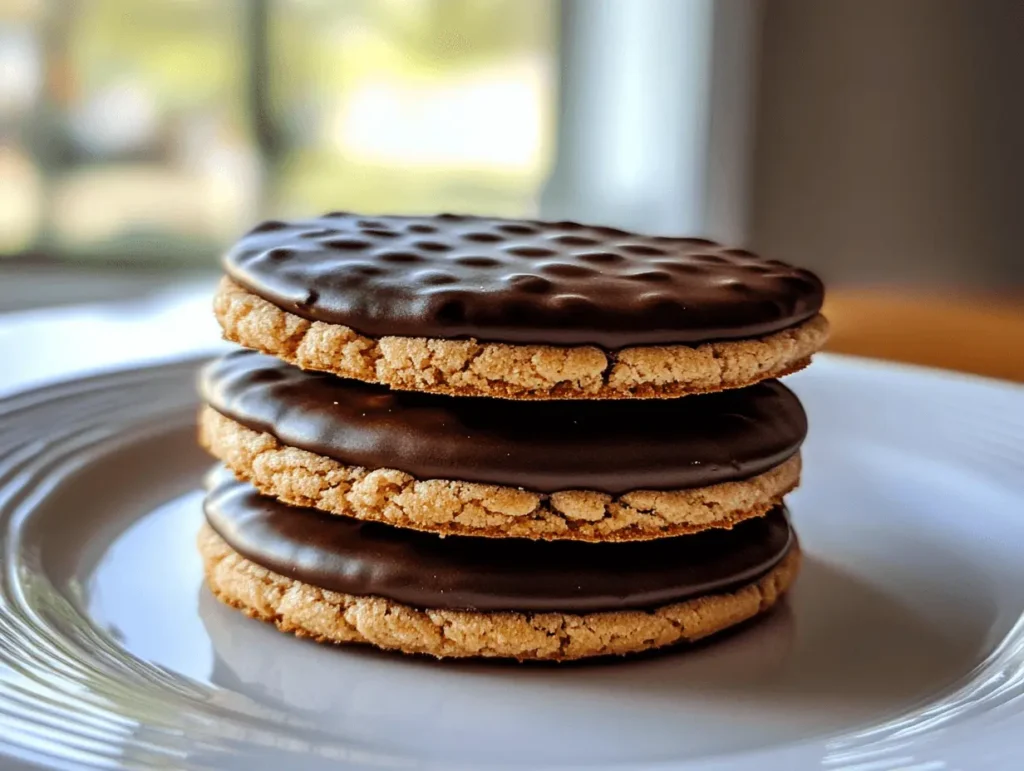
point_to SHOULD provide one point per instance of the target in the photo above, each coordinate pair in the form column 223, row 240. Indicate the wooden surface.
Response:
column 978, row 334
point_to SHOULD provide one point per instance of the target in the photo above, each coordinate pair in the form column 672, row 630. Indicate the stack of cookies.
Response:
column 465, row 436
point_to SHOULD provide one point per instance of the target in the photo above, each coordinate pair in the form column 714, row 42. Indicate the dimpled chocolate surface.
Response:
column 609, row 446
column 422, row 570
column 518, row 281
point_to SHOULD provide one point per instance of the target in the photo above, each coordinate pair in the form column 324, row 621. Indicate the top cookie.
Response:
column 513, row 288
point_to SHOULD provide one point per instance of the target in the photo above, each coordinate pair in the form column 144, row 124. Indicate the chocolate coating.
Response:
column 609, row 446
column 424, row 571
column 518, row 281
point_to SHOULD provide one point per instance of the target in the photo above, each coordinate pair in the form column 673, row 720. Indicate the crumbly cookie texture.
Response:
column 328, row 616
column 471, row 368
column 302, row 478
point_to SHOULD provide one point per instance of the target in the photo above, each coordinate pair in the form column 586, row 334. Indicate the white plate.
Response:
column 900, row 648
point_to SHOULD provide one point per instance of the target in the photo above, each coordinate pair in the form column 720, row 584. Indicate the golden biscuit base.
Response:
column 327, row 616
column 472, row 368
column 448, row 507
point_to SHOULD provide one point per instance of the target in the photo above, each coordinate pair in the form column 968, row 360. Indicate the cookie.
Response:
column 517, row 309
column 584, row 470
column 346, row 581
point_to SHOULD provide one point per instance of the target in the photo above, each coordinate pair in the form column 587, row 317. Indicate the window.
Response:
column 157, row 130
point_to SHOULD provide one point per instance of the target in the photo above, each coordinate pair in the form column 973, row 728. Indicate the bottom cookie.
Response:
column 328, row 616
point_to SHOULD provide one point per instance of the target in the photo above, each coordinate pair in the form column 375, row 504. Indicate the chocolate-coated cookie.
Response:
column 584, row 470
column 355, row 582
column 517, row 308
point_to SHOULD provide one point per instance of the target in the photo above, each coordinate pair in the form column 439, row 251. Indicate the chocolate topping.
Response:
column 610, row 446
column 518, row 281
column 422, row 570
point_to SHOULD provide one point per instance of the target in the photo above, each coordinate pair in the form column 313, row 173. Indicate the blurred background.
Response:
column 879, row 143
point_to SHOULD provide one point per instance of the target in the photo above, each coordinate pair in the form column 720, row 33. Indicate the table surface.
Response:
column 980, row 334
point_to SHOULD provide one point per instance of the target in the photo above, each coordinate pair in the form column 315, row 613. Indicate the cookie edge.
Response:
column 448, row 507
column 502, row 370
column 327, row 616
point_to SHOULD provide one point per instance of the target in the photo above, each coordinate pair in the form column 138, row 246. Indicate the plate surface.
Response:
column 902, row 645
